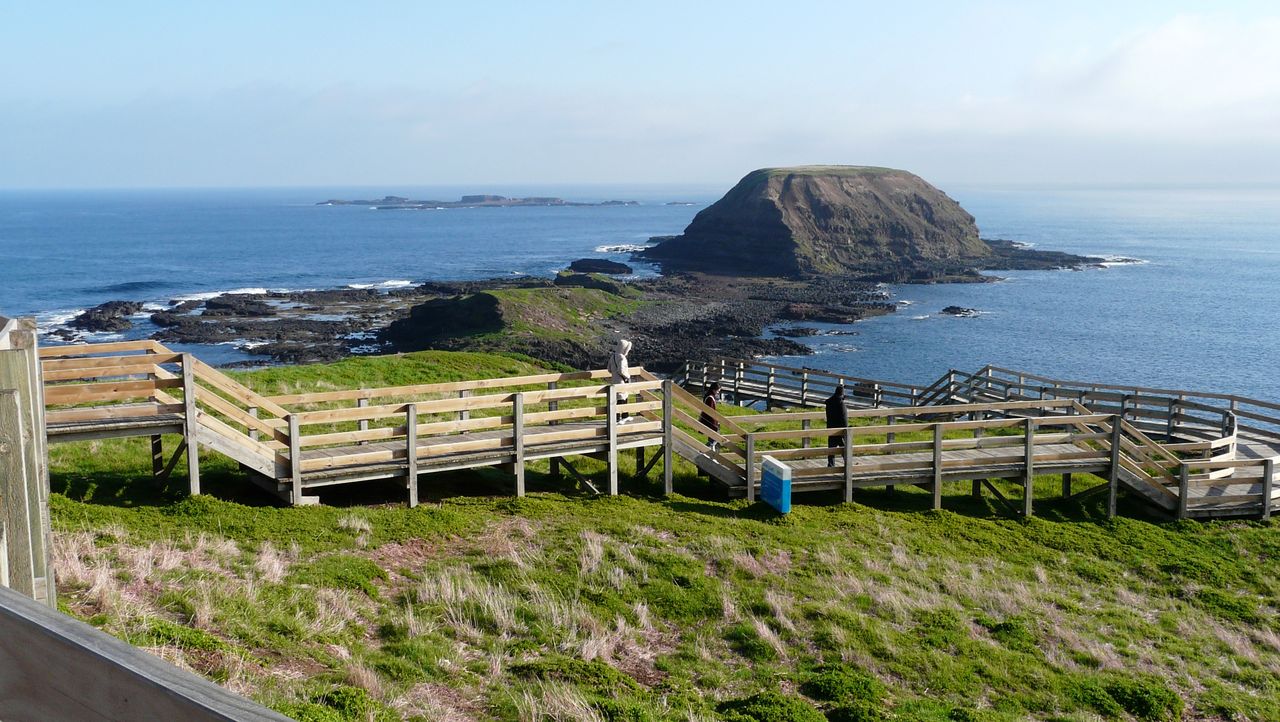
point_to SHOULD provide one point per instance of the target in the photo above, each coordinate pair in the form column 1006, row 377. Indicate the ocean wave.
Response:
column 129, row 287
column 393, row 283
column 232, row 292
column 50, row 320
column 920, row 318
column 620, row 248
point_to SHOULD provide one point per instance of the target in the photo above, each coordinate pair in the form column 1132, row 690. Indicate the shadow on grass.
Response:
column 119, row 476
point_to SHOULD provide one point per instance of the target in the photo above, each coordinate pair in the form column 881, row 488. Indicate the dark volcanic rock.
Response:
column 236, row 306
column 591, row 280
column 444, row 318
column 110, row 316
column 599, row 265
column 824, row 220
column 960, row 311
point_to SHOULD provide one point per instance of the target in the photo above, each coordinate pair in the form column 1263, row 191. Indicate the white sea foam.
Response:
column 620, row 248
column 1109, row 261
column 905, row 302
column 393, row 283
column 233, row 292
column 920, row 318
column 46, row 322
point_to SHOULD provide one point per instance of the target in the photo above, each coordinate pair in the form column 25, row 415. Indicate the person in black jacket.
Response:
column 709, row 398
column 837, row 418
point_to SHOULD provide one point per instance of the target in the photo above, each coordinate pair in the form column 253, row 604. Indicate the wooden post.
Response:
column 1029, row 473
column 1184, row 489
column 737, row 383
column 253, row 433
column 464, row 414
column 1173, row 414
column 891, row 438
column 976, row 490
column 848, row 464
column 517, row 440
column 1113, row 486
column 1268, row 483
column 411, row 452
column 806, row 442
column 157, row 456
column 751, row 467
column 937, row 466
column 1066, row 484
column 362, row 424
column 640, row 472
column 804, row 390
column 555, row 406
column 705, row 368
column 611, row 427
column 14, row 512
column 668, row 474
column 295, row 459
column 768, row 390
column 191, row 423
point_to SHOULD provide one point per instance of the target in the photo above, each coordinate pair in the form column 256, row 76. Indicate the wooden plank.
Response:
column 448, row 387
column 517, row 437
column 96, row 364
column 411, row 453
column 191, row 418
column 750, row 467
column 847, row 452
column 98, row 349
column 240, row 416
column 937, row 466
column 295, row 459
column 1113, row 479
column 111, row 413
column 107, row 391
column 13, row 493
column 235, row 389
column 611, row 433
column 98, row 677
column 1029, row 466
column 1268, row 484
column 667, row 460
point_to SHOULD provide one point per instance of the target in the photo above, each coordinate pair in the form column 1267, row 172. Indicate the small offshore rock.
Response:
column 110, row 316
column 599, row 265
column 960, row 311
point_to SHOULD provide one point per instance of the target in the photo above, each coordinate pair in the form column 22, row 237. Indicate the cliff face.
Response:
column 826, row 220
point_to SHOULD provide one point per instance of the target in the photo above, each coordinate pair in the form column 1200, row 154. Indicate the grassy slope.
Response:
column 566, row 606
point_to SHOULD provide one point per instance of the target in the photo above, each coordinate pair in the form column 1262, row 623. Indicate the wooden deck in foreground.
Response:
column 1183, row 454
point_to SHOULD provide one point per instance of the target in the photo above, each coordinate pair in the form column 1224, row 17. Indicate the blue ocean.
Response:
column 1200, row 311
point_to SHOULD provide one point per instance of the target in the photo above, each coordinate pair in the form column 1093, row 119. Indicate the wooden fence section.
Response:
column 293, row 444
column 25, row 563
column 1178, row 449
column 53, row 667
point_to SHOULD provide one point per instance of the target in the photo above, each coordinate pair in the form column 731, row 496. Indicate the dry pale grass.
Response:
column 555, row 702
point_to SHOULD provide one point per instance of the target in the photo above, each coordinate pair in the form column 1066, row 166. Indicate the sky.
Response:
column 250, row 94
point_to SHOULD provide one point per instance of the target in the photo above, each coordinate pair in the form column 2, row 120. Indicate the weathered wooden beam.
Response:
column 1113, row 487
column 295, row 460
column 1029, row 467
column 937, row 466
column 190, row 423
column 1268, row 484
column 411, row 453
column 13, row 495
column 611, row 434
column 517, row 441
column 750, row 467
column 668, row 423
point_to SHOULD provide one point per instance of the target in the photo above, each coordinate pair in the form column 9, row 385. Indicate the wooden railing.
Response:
column 25, row 560
column 780, row 385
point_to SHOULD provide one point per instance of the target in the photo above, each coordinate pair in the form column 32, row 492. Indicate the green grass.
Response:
column 564, row 605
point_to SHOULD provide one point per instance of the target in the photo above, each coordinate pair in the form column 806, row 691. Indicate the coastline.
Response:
column 672, row 316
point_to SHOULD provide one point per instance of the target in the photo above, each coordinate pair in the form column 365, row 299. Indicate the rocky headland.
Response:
column 871, row 223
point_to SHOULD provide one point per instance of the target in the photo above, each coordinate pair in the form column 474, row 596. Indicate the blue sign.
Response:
column 775, row 484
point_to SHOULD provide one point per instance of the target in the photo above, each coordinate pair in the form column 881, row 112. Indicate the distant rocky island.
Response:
column 872, row 223
column 399, row 203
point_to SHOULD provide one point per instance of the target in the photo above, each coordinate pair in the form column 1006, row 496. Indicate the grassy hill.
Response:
column 567, row 606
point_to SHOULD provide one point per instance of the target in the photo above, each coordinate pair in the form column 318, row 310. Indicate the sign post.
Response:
column 775, row 483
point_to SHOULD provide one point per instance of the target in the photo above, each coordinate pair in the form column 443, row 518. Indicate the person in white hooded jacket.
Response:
column 620, row 369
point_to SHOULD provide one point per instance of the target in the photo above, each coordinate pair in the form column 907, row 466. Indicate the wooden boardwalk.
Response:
column 1181, row 454
column 1192, row 454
